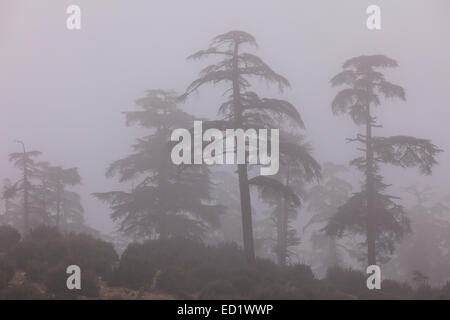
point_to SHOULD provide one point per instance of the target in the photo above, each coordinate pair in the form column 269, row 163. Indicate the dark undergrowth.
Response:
column 179, row 268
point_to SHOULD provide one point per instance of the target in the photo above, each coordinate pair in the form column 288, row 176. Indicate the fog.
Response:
column 63, row 92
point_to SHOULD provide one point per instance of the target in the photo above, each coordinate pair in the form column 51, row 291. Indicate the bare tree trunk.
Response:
column 247, row 227
column 58, row 207
column 244, row 189
column 370, row 193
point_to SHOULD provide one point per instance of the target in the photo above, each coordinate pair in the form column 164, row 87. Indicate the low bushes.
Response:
column 136, row 268
column 9, row 237
column 187, row 268
column 45, row 254
column 46, row 248
column 347, row 280
column 25, row 291
column 218, row 289
column 182, row 268
column 57, row 288
column 90, row 253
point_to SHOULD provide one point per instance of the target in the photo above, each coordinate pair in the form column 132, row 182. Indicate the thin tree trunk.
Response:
column 284, row 227
column 279, row 220
column 7, row 222
column 247, row 227
column 58, row 207
column 64, row 214
column 163, row 184
column 26, row 215
column 244, row 189
column 370, row 192
column 44, row 204
column 333, row 259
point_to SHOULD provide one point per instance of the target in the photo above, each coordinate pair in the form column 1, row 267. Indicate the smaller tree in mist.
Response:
column 243, row 109
column 426, row 249
column 59, row 178
column 226, row 193
column 73, row 211
column 297, row 168
column 43, row 194
column 323, row 200
column 9, row 193
column 371, row 212
column 53, row 201
column 45, row 199
column 25, row 162
column 165, row 200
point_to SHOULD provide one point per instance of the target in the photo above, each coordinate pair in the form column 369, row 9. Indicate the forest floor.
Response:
column 106, row 292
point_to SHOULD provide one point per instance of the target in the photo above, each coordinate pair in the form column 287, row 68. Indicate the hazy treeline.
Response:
column 309, row 212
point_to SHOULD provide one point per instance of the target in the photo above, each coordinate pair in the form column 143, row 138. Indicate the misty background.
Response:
column 62, row 92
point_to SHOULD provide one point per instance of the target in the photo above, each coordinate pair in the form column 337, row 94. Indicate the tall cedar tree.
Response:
column 166, row 200
column 244, row 109
column 9, row 193
column 371, row 212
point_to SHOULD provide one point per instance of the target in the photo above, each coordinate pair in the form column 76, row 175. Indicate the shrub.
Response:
column 44, row 244
column 425, row 292
column 44, row 234
column 204, row 274
column 299, row 275
column 90, row 253
column 189, row 267
column 444, row 293
column 175, row 251
column 45, row 248
column 244, row 280
column 220, row 290
column 24, row 291
column 135, row 269
column 9, row 237
column 276, row 291
column 175, row 280
column 56, row 285
column 89, row 284
column 36, row 270
column 227, row 256
column 347, row 280
column 396, row 289
column 6, row 273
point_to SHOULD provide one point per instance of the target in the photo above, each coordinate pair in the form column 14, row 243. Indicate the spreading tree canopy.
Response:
column 165, row 200
column 371, row 212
